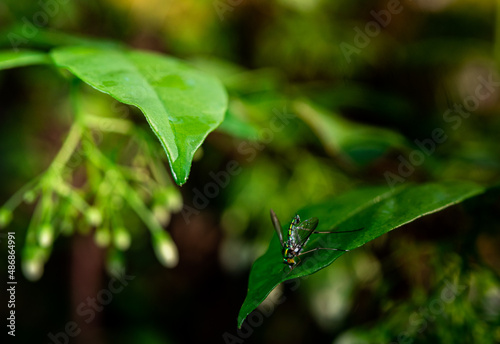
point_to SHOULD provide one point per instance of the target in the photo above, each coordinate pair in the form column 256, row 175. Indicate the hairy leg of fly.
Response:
column 298, row 260
column 322, row 248
column 327, row 232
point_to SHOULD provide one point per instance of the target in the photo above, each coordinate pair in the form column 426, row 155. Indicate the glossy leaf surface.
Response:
column 377, row 210
column 181, row 104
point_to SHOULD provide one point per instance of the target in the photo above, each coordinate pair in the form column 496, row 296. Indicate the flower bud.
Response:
column 5, row 217
column 121, row 238
column 102, row 237
column 32, row 263
column 174, row 200
column 45, row 235
column 29, row 196
column 94, row 216
column 161, row 214
column 165, row 249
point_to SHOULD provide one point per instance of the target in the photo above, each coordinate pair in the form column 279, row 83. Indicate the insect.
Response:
column 299, row 233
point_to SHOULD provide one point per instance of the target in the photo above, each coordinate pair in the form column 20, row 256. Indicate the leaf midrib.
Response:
column 368, row 204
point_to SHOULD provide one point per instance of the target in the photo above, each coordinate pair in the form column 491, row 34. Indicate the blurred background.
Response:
column 324, row 97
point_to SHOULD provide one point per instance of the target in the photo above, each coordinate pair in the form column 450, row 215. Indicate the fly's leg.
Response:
column 323, row 248
column 327, row 232
column 354, row 230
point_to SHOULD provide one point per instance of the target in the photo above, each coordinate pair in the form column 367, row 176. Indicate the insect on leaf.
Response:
column 377, row 210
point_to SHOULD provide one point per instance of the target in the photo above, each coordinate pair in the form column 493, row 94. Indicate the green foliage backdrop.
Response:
column 144, row 143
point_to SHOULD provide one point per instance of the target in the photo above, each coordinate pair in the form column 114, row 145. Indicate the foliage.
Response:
column 182, row 106
column 325, row 100
column 374, row 210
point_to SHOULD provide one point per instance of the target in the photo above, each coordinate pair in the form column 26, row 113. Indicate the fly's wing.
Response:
column 303, row 230
column 277, row 226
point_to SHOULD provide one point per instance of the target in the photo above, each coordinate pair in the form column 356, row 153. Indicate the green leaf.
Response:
column 182, row 105
column 16, row 37
column 361, row 143
column 239, row 80
column 238, row 127
column 376, row 209
column 13, row 59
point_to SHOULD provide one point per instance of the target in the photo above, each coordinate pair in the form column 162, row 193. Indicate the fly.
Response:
column 299, row 233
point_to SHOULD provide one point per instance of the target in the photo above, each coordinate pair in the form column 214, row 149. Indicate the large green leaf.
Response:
column 12, row 59
column 377, row 210
column 181, row 104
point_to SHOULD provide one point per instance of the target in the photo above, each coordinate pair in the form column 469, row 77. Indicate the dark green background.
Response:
column 351, row 124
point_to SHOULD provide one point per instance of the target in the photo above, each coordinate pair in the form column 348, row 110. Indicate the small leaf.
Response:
column 12, row 59
column 182, row 105
column 377, row 210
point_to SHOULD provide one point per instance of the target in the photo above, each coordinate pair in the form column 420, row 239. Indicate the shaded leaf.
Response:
column 235, row 126
column 376, row 209
column 181, row 104
column 239, row 80
column 361, row 143
column 13, row 59
column 15, row 37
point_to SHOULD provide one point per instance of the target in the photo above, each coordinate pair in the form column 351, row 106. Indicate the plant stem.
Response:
column 69, row 146
column 126, row 192
column 114, row 125
column 17, row 198
column 75, row 133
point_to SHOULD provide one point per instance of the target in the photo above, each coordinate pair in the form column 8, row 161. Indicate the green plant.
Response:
column 181, row 104
column 376, row 210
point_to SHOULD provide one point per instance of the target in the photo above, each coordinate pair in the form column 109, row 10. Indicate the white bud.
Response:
column 165, row 250
column 161, row 214
column 94, row 216
column 102, row 237
column 121, row 238
column 46, row 235
column 32, row 263
column 32, row 270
